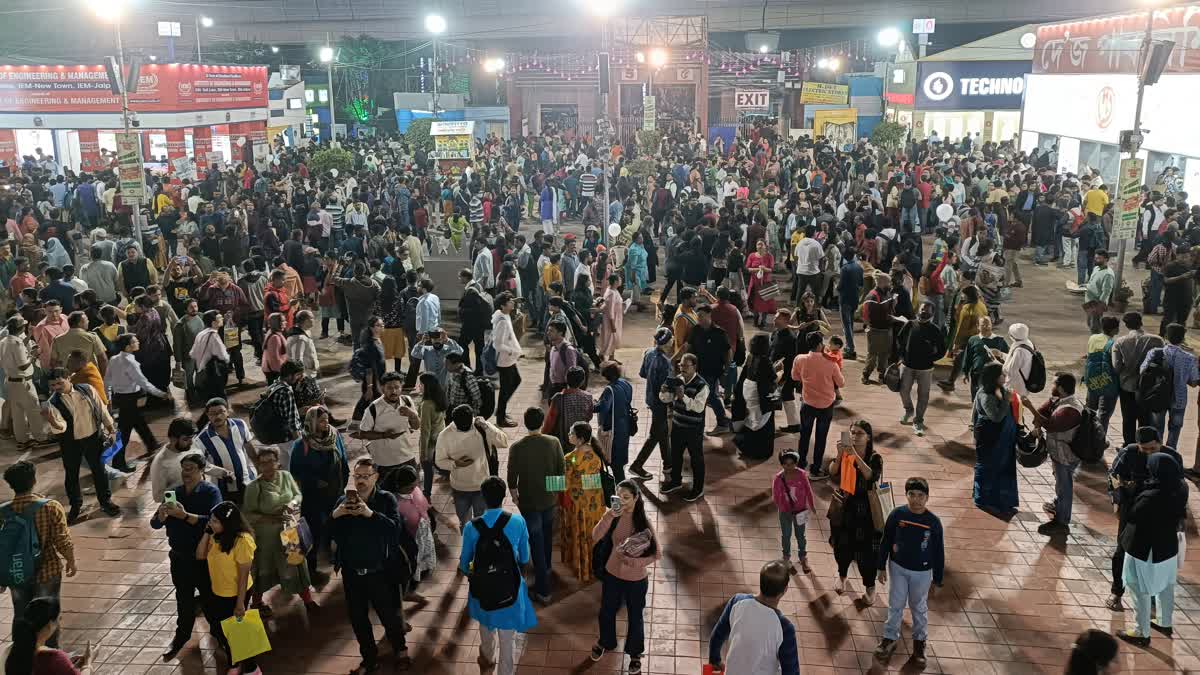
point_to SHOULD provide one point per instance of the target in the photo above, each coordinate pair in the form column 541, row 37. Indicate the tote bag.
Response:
column 247, row 637
column 882, row 503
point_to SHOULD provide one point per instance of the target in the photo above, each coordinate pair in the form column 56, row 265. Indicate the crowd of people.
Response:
column 915, row 250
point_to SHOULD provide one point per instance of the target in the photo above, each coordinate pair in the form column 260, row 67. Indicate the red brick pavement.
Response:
column 1012, row 603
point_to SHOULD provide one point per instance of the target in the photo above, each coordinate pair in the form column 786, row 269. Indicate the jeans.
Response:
column 1064, row 492
column 615, row 592
column 1141, row 605
column 1043, row 254
column 787, row 524
column 23, row 595
column 364, row 591
column 466, row 503
column 692, row 440
column 1132, row 416
column 847, row 310
column 74, row 452
column 714, row 402
column 1173, row 312
column 1118, row 563
column 923, row 379
column 1104, row 407
column 541, row 546
column 879, row 350
column 939, row 314
column 189, row 577
column 910, row 216
column 821, row 418
column 1156, row 288
column 487, row 648
column 911, row 588
column 658, row 436
column 510, row 379
column 1174, row 424
column 1083, row 264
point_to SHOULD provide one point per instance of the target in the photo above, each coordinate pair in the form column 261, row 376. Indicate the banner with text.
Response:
column 824, row 93
column 129, row 167
column 1129, row 199
column 174, row 87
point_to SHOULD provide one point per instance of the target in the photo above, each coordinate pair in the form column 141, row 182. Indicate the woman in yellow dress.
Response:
column 583, row 501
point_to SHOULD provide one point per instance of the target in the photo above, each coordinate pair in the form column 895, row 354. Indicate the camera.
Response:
column 673, row 382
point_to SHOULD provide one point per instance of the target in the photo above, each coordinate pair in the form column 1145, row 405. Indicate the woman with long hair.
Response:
column 432, row 414
column 1094, row 653
column 228, row 547
column 370, row 353
column 390, row 307
column 625, row 582
column 273, row 501
column 852, row 533
column 752, row 402
column 993, row 418
column 29, row 654
column 274, row 347
column 320, row 468
column 583, row 501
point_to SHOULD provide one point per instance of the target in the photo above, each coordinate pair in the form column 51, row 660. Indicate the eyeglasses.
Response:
column 364, row 476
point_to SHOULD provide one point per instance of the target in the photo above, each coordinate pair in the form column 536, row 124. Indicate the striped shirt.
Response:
column 228, row 454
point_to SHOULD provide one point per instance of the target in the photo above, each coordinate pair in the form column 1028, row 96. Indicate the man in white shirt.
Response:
column 761, row 640
column 124, row 376
column 466, row 449
column 390, row 425
column 508, row 351
column 165, row 471
column 809, row 255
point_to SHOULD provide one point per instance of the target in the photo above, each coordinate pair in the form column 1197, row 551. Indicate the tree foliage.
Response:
column 332, row 158
column 889, row 135
column 418, row 135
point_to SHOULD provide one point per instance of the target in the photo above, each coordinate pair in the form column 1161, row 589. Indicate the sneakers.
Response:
column 918, row 655
column 885, row 648
column 850, row 356
column 640, row 473
column 694, row 495
column 1052, row 527
column 635, row 665
column 720, row 429
column 919, row 428
column 111, row 509
column 906, row 420
column 1134, row 639
column 818, row 475
column 668, row 488
column 73, row 516
column 866, row 379
column 505, row 423
column 1050, row 508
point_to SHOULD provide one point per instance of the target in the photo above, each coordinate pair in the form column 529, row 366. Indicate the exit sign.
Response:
column 752, row 99
column 924, row 26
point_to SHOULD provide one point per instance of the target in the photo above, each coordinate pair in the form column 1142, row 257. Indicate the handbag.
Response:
column 837, row 508
column 769, row 291
column 602, row 550
column 247, row 637
column 891, row 377
column 297, row 541
column 883, row 502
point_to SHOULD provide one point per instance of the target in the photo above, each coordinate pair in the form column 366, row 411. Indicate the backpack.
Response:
column 265, row 422
column 489, row 359
column 1156, row 384
column 495, row 580
column 1090, row 441
column 908, row 198
column 487, row 396
column 359, row 368
column 20, row 550
column 1036, row 381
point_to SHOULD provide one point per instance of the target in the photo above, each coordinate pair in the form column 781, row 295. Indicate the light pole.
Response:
column 207, row 22
column 436, row 25
column 327, row 59
column 112, row 11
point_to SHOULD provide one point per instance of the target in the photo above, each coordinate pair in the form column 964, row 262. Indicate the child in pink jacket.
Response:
column 793, row 497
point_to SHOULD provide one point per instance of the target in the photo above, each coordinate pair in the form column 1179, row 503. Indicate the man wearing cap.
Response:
column 1127, row 478
column 17, row 354
column 913, row 554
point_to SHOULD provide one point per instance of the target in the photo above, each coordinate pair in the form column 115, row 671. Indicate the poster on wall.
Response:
column 824, row 93
column 1129, row 199
column 161, row 88
column 129, row 166
column 184, row 167
column 649, row 113
column 838, row 126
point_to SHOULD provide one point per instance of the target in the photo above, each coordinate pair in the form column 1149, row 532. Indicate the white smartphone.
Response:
column 845, row 438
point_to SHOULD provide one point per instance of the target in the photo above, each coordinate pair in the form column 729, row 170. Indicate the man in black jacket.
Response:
column 712, row 346
column 475, row 317
column 366, row 527
column 921, row 344
column 784, row 347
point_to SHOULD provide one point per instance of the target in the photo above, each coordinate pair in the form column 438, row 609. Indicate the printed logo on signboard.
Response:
column 258, row 87
column 938, row 86
column 1106, row 102
column 147, row 81
column 185, row 88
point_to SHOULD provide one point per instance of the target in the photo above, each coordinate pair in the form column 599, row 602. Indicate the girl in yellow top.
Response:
column 228, row 548
column 584, row 500
column 551, row 273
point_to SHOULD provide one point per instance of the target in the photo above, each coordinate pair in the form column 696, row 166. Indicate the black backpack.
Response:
column 1036, row 381
column 1156, row 384
column 1090, row 441
column 495, row 580
column 265, row 421
column 908, row 198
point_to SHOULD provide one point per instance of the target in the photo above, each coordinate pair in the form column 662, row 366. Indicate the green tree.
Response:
column 332, row 158
column 889, row 135
column 418, row 134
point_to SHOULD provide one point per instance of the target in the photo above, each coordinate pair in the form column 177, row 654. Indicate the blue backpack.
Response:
column 20, row 550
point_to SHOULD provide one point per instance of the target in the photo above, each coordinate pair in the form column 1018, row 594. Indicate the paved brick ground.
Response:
column 1013, row 600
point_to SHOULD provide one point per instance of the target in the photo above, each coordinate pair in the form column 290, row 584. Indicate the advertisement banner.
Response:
column 971, row 85
column 1113, row 44
column 201, row 146
column 176, row 145
column 1128, row 203
column 824, row 93
column 839, row 126
column 8, row 147
column 649, row 113
column 89, row 150
column 751, row 99
column 129, row 166
column 183, row 168
column 175, row 87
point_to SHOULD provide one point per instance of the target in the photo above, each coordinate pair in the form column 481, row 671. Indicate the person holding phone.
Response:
column 184, row 513
column 29, row 653
column 854, row 472
column 227, row 547
column 625, row 581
